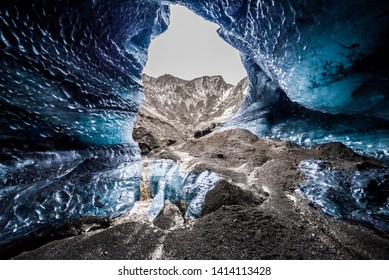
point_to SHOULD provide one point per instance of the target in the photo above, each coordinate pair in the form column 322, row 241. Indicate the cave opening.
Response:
column 193, row 82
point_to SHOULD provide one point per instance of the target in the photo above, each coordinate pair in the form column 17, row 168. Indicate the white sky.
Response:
column 191, row 48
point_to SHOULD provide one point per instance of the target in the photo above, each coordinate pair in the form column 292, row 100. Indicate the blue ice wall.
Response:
column 39, row 190
column 44, row 189
column 168, row 181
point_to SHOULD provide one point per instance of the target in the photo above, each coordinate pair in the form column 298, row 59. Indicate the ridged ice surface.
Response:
column 361, row 196
column 72, row 70
column 70, row 76
column 40, row 190
column 169, row 182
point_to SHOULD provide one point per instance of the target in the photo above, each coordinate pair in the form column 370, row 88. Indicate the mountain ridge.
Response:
column 166, row 76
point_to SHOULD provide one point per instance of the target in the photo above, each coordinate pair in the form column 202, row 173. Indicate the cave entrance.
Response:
column 193, row 82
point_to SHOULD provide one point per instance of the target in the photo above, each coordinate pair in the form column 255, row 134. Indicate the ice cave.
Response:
column 71, row 88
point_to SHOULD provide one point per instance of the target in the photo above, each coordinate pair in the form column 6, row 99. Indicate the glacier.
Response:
column 358, row 196
column 43, row 189
column 70, row 88
column 168, row 181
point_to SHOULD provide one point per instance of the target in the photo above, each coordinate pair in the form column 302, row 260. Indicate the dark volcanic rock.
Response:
column 146, row 139
column 337, row 150
column 126, row 241
column 237, row 232
column 169, row 218
column 224, row 194
column 47, row 235
column 201, row 133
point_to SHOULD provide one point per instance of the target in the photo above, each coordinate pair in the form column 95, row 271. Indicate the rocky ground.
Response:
column 254, row 212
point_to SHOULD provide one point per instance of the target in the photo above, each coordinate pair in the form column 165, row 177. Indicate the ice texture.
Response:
column 196, row 186
column 43, row 189
column 70, row 88
column 361, row 196
column 318, row 70
column 168, row 181
column 70, row 70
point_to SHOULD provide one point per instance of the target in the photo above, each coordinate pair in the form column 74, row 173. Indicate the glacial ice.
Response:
column 43, row 189
column 196, row 187
column 70, row 88
column 166, row 180
column 72, row 69
column 360, row 195
column 328, row 59
column 188, row 190
column 70, row 73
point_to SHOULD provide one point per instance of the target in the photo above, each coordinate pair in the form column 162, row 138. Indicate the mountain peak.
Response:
column 167, row 76
column 210, row 79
